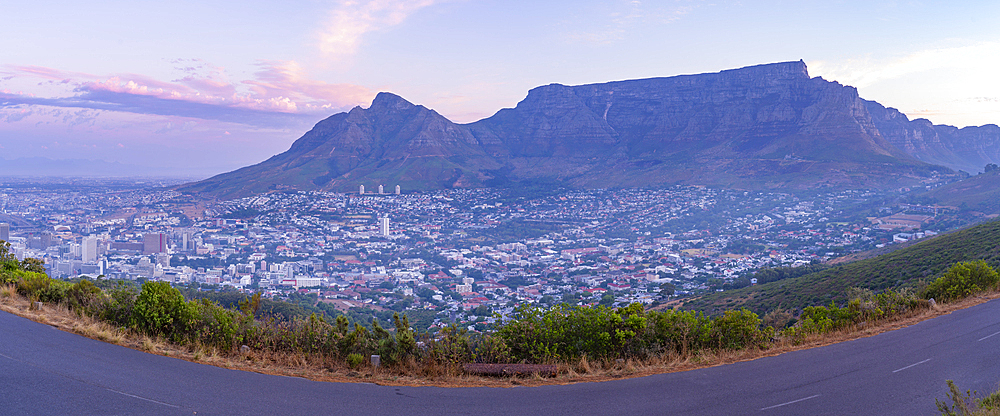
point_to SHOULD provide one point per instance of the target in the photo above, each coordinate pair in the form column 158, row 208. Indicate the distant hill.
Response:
column 905, row 267
column 766, row 127
column 978, row 193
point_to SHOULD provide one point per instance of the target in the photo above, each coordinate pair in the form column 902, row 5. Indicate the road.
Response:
column 47, row 371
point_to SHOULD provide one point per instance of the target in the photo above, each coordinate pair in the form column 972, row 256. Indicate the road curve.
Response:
column 47, row 371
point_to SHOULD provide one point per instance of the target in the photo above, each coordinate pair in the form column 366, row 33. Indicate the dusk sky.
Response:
column 205, row 87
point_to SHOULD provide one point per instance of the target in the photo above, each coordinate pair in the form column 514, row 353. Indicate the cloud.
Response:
column 286, row 81
column 280, row 95
column 953, row 84
column 625, row 16
column 865, row 71
column 352, row 19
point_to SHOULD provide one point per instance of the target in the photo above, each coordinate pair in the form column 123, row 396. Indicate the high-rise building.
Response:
column 154, row 243
column 381, row 190
column 361, row 190
column 397, row 189
column 88, row 249
column 4, row 231
column 383, row 226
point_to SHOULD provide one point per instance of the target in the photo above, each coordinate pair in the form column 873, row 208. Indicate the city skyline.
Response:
column 206, row 88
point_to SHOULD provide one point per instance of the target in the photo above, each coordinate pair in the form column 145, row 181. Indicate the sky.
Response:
column 204, row 87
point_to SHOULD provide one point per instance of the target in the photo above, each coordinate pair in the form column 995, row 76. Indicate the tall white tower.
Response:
column 381, row 190
column 361, row 190
column 88, row 249
column 397, row 189
column 383, row 226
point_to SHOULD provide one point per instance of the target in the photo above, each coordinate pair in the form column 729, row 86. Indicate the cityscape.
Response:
column 464, row 254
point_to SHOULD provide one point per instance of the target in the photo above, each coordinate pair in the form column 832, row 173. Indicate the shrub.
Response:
column 40, row 287
column 961, row 280
column 736, row 330
column 83, row 295
column 565, row 332
column 679, row 331
column 118, row 305
column 355, row 360
column 161, row 310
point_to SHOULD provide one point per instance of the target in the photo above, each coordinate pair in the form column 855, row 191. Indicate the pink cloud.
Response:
column 286, row 81
column 205, row 91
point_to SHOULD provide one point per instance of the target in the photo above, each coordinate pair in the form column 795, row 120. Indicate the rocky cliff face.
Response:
column 765, row 126
column 968, row 149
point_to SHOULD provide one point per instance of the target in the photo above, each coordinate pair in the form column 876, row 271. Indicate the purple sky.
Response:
column 207, row 87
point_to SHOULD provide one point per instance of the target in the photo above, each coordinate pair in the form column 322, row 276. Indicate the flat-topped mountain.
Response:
column 765, row 126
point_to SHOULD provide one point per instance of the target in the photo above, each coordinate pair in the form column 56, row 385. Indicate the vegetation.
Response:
column 966, row 404
column 963, row 279
column 911, row 267
column 540, row 335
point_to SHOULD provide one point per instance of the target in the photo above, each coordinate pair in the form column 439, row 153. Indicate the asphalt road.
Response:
column 47, row 371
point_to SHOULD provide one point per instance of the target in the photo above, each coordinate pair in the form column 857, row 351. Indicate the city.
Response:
column 457, row 255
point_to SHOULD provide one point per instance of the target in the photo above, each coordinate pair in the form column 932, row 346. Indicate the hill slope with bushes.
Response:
column 914, row 266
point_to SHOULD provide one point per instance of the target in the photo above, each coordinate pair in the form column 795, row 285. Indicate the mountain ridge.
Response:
column 764, row 126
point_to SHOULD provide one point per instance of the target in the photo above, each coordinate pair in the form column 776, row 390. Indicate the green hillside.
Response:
column 910, row 266
column 977, row 193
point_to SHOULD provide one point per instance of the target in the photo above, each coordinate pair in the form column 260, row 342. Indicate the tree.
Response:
column 667, row 289
column 5, row 253
column 608, row 299
column 990, row 167
column 33, row 265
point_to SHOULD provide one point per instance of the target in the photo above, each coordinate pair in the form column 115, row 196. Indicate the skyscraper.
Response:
column 154, row 243
column 397, row 189
column 88, row 249
column 383, row 226
column 361, row 190
column 4, row 231
column 381, row 190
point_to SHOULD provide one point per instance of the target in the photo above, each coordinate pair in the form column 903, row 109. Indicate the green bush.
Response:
column 117, row 306
column 355, row 360
column 38, row 286
column 83, row 296
column 161, row 310
column 566, row 332
column 961, row 280
column 736, row 330
column 679, row 331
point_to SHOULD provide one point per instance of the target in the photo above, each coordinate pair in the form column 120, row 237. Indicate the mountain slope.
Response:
column 904, row 267
column 392, row 142
column 766, row 126
column 968, row 149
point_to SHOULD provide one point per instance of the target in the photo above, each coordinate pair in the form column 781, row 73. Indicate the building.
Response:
column 154, row 243
column 361, row 190
column 88, row 249
column 4, row 231
column 397, row 189
column 383, row 226
column 381, row 190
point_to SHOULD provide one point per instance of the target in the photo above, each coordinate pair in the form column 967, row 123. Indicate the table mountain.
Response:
column 766, row 126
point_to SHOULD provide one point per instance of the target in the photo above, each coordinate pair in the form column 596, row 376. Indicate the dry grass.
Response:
column 319, row 368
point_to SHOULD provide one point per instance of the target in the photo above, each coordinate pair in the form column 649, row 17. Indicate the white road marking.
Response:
column 912, row 365
column 141, row 398
column 791, row 402
column 990, row 335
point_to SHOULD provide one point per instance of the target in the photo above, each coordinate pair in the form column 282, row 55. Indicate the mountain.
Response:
column 766, row 126
column 968, row 149
column 391, row 142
